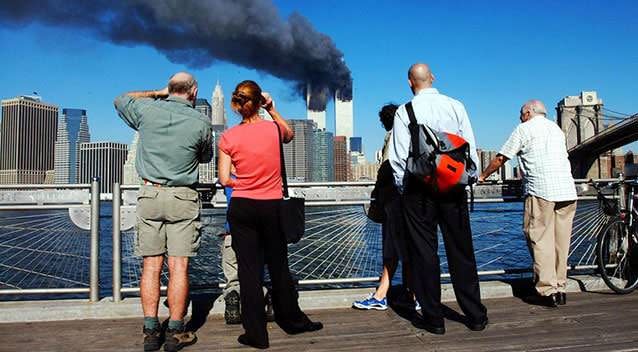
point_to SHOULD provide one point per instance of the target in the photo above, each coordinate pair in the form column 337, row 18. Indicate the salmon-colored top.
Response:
column 254, row 151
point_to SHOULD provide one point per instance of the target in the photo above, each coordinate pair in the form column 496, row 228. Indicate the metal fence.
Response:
column 19, row 207
column 341, row 246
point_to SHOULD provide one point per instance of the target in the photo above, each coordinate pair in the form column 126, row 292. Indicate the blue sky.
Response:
column 491, row 55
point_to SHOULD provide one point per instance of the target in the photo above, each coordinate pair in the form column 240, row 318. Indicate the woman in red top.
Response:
column 252, row 147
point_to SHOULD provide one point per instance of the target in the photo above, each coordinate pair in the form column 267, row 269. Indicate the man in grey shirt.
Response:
column 426, row 209
column 173, row 139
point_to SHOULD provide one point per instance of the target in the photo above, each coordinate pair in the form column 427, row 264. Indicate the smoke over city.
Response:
column 196, row 33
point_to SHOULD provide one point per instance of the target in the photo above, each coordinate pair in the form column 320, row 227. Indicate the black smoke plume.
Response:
column 196, row 33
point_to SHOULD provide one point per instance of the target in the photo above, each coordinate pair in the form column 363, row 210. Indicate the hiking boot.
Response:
column 153, row 339
column 270, row 314
column 232, row 313
column 178, row 339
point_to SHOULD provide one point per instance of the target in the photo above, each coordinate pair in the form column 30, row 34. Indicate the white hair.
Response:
column 535, row 107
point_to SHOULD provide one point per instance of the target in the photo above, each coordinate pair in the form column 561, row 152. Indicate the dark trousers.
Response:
column 424, row 211
column 257, row 239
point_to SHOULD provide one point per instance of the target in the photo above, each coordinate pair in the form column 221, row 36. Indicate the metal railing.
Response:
column 317, row 195
column 337, row 195
column 58, row 197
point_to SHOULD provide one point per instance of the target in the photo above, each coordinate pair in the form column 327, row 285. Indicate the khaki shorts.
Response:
column 167, row 221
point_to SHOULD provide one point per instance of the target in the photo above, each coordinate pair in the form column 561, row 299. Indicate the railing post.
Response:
column 117, row 244
column 94, row 272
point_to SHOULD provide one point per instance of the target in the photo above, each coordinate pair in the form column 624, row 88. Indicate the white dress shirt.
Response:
column 542, row 154
column 437, row 111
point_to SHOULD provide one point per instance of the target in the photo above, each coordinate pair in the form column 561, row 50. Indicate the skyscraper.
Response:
column 344, row 115
column 207, row 170
column 202, row 106
column 218, row 112
column 356, row 144
column 341, row 159
column 131, row 177
column 319, row 117
column 73, row 129
column 104, row 160
column 27, row 149
column 298, row 153
column 323, row 157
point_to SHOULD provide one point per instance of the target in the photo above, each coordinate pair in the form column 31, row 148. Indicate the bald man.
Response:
column 550, row 201
column 425, row 209
column 174, row 139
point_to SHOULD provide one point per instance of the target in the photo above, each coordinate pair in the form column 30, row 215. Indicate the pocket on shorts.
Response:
column 197, row 236
column 147, row 207
column 187, row 204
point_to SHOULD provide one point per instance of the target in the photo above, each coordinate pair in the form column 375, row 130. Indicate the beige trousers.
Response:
column 548, row 229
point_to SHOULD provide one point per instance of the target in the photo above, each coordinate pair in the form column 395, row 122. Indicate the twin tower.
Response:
column 344, row 115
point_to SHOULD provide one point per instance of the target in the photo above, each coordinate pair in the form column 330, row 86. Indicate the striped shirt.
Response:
column 540, row 147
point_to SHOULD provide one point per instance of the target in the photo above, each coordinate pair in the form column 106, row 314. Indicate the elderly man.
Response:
column 425, row 209
column 550, row 202
column 174, row 139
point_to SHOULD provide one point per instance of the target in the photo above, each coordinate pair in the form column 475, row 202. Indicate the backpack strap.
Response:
column 284, row 179
column 414, row 129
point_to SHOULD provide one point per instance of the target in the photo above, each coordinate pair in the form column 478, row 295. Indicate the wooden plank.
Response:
column 590, row 322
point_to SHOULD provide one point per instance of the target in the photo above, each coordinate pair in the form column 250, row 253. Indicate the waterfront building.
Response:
column 298, row 153
column 73, row 129
column 207, row 170
column 102, row 159
column 217, row 108
column 131, row 177
column 319, row 117
column 27, row 148
column 357, row 158
column 204, row 107
column 344, row 116
column 323, row 156
column 364, row 171
column 341, row 159
column 356, row 144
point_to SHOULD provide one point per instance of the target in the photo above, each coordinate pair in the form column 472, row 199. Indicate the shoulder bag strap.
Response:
column 414, row 129
column 284, row 179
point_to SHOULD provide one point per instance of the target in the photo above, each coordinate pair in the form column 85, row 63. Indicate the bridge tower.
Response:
column 580, row 118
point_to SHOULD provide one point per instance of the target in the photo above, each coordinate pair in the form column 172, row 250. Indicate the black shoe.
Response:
column 307, row 326
column 478, row 326
column 178, row 339
column 245, row 340
column 420, row 323
column 270, row 314
column 550, row 301
column 562, row 298
column 232, row 313
column 153, row 339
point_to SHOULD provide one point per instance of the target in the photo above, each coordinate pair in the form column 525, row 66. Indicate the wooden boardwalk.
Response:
column 589, row 322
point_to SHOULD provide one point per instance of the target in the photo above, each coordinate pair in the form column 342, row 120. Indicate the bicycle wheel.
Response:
column 617, row 257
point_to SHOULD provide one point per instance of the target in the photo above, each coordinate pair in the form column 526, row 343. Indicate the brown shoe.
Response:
column 178, row 339
column 153, row 339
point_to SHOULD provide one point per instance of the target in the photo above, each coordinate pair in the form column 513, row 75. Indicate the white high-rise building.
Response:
column 130, row 172
column 217, row 101
column 344, row 117
column 319, row 117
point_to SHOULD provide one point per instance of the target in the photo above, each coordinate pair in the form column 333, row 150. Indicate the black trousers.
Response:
column 257, row 239
column 424, row 211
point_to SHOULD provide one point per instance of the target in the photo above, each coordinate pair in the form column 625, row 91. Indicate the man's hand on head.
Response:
column 162, row 93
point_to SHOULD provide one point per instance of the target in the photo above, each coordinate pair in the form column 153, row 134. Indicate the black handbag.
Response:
column 293, row 210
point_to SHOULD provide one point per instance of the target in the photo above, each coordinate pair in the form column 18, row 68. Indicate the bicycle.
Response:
column 617, row 243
